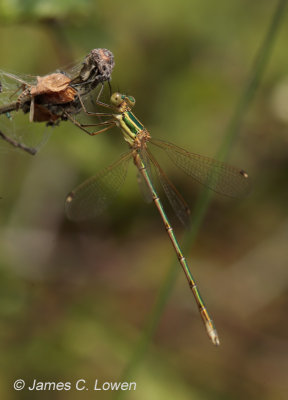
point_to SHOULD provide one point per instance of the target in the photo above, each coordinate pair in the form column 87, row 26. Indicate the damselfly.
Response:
column 90, row 197
column 53, row 97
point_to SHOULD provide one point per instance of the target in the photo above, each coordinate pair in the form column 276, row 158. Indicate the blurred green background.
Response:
column 75, row 298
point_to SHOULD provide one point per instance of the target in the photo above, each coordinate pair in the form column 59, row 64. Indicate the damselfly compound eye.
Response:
column 131, row 100
column 116, row 99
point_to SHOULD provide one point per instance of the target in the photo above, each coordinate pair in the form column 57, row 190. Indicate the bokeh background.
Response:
column 96, row 300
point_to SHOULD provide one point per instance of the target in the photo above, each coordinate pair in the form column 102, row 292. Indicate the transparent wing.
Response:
column 18, row 130
column 11, row 85
column 15, row 130
column 31, row 140
column 144, row 189
column 141, row 182
column 176, row 200
column 101, row 59
column 71, row 69
column 217, row 175
column 91, row 197
column 14, row 124
column 96, row 67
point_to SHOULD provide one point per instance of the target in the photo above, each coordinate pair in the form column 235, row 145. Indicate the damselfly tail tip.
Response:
column 69, row 197
column 215, row 340
column 213, row 335
column 244, row 174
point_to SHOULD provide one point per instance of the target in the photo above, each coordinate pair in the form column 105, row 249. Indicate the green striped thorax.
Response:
column 125, row 119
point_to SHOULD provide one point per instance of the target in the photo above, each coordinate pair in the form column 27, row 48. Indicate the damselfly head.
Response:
column 118, row 99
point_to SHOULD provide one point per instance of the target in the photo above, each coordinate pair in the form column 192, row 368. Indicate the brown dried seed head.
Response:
column 103, row 59
column 52, row 83
column 65, row 96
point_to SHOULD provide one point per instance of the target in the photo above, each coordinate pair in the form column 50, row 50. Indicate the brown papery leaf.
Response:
column 65, row 96
column 52, row 83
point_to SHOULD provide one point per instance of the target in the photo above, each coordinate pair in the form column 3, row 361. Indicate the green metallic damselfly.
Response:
column 90, row 197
